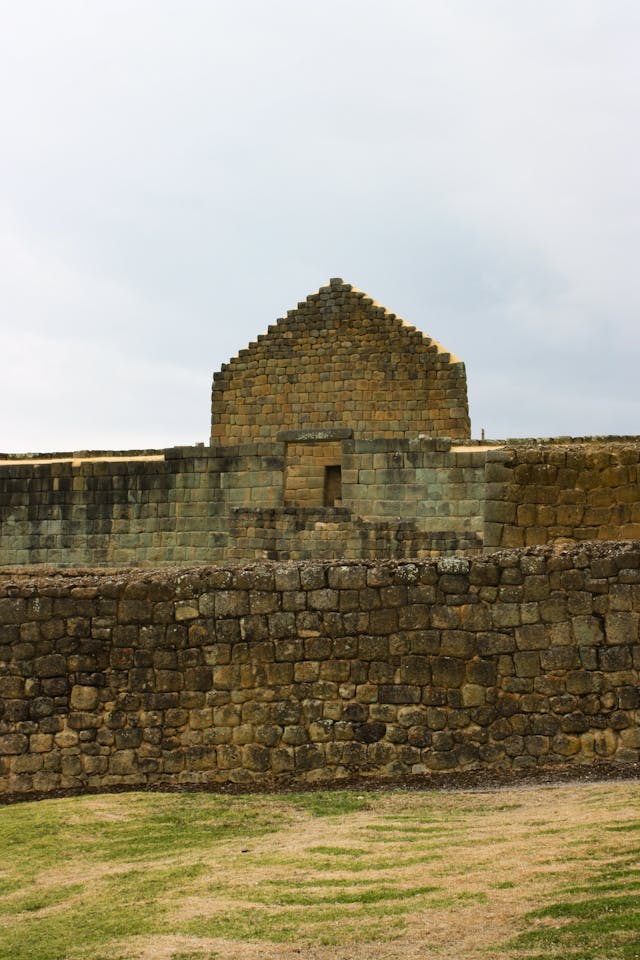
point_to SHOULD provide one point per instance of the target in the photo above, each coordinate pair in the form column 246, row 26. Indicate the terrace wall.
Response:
column 396, row 498
column 209, row 504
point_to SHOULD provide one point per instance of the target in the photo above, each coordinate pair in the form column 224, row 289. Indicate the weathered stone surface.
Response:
column 622, row 627
column 228, row 697
column 13, row 743
column 231, row 603
column 186, row 610
column 52, row 665
column 370, row 732
column 84, row 698
column 448, row 672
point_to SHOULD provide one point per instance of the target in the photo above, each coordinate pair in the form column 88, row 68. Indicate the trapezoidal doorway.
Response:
column 313, row 474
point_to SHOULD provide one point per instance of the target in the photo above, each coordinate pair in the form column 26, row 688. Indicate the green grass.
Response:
column 284, row 896
column 595, row 921
column 330, row 803
column 136, row 831
column 194, row 955
column 142, row 829
column 324, row 923
column 340, row 851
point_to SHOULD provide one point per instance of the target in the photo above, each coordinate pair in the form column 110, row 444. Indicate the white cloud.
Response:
column 172, row 181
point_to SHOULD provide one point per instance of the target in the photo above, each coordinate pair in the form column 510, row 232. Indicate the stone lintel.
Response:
column 314, row 436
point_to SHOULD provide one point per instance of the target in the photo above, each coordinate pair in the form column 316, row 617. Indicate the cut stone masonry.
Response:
column 340, row 360
column 342, row 431
column 324, row 610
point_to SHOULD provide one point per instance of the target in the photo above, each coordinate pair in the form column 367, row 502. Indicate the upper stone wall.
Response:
column 340, row 360
column 549, row 492
column 244, row 502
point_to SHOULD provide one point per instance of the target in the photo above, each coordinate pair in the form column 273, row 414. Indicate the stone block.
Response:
column 399, row 693
column 587, row 630
column 132, row 610
column 629, row 697
column 308, row 757
column 282, row 760
column 373, row 648
column 347, row 577
column 13, row 744
column 124, row 762
column 254, row 628
column 532, row 636
column 84, row 698
column 11, row 688
column 383, row 622
column 584, row 681
column 630, row 738
column 414, row 616
column 52, row 665
column 622, row 627
column 231, row 603
column 324, row 599
column 457, row 643
column 473, row 695
column 527, row 663
column 282, row 625
column 256, row 758
column 615, row 658
column 447, row 672
column 262, row 601
column 495, row 643
column 481, row 671
column 312, row 577
column 415, row 670
column 560, row 658
column 306, row 672
column 198, row 678
column 505, row 615
column 12, row 610
column 500, row 511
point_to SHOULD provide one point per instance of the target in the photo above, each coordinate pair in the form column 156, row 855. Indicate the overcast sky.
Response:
column 174, row 176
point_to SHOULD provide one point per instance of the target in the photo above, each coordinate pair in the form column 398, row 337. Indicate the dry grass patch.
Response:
column 530, row 873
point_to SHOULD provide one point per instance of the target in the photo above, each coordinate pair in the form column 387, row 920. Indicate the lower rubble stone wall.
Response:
column 317, row 671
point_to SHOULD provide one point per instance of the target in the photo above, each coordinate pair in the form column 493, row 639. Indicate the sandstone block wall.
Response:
column 340, row 360
column 252, row 501
column 295, row 533
column 399, row 498
column 172, row 509
column 316, row 671
column 431, row 481
column 305, row 476
column 546, row 492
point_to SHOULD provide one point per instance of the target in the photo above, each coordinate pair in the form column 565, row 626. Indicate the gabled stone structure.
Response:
column 342, row 432
column 340, row 438
column 340, row 361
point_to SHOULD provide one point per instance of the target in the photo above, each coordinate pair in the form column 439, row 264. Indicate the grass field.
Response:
column 536, row 873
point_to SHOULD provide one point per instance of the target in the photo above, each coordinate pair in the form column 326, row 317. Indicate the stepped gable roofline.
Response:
column 338, row 285
column 331, row 294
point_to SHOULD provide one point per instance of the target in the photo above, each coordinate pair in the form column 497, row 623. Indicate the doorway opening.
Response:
column 332, row 485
